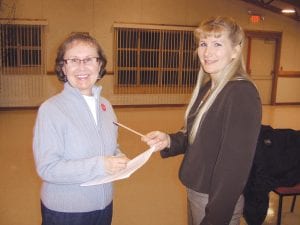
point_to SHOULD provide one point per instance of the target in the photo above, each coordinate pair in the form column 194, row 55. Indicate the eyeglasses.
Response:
column 86, row 61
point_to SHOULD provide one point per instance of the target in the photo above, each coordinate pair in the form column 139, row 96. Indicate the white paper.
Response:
column 132, row 166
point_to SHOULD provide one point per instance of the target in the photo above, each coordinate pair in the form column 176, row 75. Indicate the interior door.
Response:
column 262, row 63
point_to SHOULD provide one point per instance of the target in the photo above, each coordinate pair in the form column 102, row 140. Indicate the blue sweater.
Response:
column 69, row 147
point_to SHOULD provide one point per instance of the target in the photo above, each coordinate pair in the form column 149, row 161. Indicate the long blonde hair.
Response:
column 217, row 26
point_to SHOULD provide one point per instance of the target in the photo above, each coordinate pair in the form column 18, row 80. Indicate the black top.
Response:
column 219, row 161
column 276, row 164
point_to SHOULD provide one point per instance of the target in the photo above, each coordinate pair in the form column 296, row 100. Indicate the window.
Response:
column 22, row 49
column 155, row 60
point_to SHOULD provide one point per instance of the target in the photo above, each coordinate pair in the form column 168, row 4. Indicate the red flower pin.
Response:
column 103, row 107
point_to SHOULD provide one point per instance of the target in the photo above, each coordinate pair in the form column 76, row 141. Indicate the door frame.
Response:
column 270, row 35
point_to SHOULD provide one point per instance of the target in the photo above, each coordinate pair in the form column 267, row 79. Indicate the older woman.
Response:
column 75, row 139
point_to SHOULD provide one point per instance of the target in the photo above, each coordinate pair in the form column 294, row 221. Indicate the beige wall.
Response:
column 288, row 88
column 97, row 18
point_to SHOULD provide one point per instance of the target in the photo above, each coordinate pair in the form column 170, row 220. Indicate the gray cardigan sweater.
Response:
column 219, row 161
column 68, row 150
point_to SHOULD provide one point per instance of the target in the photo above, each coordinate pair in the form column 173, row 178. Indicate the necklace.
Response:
column 205, row 97
column 203, row 100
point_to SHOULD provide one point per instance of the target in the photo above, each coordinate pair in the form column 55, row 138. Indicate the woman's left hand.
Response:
column 114, row 164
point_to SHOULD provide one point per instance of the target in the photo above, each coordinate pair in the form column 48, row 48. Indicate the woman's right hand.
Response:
column 158, row 139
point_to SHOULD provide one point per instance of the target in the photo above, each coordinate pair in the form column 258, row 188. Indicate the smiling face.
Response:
column 215, row 52
column 81, row 75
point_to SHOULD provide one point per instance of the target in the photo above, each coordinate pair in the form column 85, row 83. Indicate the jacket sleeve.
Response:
column 178, row 145
column 240, row 129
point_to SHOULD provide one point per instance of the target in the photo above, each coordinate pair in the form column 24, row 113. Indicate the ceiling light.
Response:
column 288, row 11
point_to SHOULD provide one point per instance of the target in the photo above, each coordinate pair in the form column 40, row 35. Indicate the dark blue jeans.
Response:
column 98, row 217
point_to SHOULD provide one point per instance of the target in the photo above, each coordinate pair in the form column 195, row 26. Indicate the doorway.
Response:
column 262, row 54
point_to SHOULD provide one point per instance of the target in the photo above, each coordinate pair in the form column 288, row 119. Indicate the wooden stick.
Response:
column 127, row 128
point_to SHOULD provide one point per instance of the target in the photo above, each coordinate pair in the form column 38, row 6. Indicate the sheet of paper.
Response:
column 132, row 166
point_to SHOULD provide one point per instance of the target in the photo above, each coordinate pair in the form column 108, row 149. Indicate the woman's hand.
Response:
column 158, row 139
column 114, row 164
